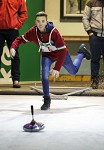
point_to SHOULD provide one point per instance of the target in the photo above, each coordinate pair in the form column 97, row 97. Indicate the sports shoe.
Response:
column 45, row 107
column 95, row 84
column 83, row 49
column 47, row 101
column 33, row 126
column 16, row 84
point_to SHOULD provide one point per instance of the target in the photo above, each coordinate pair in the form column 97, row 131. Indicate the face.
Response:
column 41, row 22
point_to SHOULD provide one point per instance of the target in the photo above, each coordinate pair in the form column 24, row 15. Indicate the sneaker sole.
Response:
column 85, row 51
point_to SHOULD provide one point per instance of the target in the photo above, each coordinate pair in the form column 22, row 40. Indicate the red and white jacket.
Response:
column 59, row 50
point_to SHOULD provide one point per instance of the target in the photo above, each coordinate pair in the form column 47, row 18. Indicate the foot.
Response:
column 45, row 107
column 83, row 49
column 16, row 84
column 95, row 84
column 47, row 102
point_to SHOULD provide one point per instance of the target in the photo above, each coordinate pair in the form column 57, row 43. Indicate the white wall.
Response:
column 52, row 8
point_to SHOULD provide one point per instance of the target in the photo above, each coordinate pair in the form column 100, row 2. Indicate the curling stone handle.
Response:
column 32, row 110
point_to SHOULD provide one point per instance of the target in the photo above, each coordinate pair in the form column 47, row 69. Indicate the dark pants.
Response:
column 10, row 35
column 97, row 49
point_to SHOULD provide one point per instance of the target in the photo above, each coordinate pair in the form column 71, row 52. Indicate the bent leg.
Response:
column 73, row 67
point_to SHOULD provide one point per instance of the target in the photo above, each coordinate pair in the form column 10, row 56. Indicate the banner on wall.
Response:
column 5, row 73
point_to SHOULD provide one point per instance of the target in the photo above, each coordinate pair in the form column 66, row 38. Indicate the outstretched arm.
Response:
column 19, row 40
column 29, row 36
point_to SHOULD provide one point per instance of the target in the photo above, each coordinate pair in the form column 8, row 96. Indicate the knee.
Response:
column 73, row 73
column 45, row 77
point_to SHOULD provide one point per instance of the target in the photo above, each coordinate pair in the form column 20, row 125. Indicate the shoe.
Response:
column 95, row 84
column 83, row 49
column 46, row 105
column 16, row 84
column 33, row 126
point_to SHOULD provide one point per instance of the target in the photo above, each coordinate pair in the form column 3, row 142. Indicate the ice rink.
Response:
column 73, row 124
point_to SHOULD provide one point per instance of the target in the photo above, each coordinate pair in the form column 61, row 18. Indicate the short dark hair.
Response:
column 41, row 13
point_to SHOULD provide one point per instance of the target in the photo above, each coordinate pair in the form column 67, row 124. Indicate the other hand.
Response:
column 12, row 52
column 16, row 28
column 54, row 73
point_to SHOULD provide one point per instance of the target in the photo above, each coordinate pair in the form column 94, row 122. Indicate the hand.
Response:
column 91, row 34
column 12, row 52
column 16, row 28
column 54, row 73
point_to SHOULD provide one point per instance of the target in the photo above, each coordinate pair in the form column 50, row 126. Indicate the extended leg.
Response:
column 46, row 64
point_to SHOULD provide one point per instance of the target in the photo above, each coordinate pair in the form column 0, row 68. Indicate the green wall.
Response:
column 29, row 55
